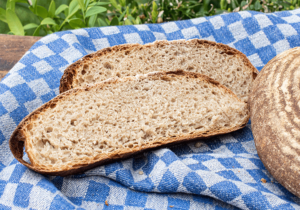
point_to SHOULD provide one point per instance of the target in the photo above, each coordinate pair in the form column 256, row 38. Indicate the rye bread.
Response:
column 84, row 128
column 220, row 62
column 275, row 118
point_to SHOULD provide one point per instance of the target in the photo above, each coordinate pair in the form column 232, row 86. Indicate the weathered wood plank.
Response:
column 12, row 48
column 2, row 74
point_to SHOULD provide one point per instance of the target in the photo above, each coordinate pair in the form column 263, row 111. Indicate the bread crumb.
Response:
column 171, row 206
column 263, row 180
column 198, row 144
column 134, row 131
column 106, row 203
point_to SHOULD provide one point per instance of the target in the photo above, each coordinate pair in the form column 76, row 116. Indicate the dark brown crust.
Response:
column 18, row 137
column 274, row 115
column 66, row 82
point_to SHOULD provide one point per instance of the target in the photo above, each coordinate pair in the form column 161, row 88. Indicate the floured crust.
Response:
column 67, row 81
column 274, row 105
column 18, row 138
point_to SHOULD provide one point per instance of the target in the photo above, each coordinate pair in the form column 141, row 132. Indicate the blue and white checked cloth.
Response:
column 223, row 173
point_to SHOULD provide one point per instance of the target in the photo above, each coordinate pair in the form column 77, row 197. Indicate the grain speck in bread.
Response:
column 275, row 118
column 83, row 128
column 222, row 63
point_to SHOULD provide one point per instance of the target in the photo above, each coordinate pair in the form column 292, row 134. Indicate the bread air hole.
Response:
column 90, row 78
column 84, row 69
column 53, row 105
column 49, row 130
column 199, row 127
column 185, row 131
column 190, row 68
column 108, row 66
column 29, row 127
column 40, row 144
column 80, row 81
column 73, row 122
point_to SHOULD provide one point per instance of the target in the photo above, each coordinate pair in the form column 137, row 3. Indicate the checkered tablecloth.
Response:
column 223, row 173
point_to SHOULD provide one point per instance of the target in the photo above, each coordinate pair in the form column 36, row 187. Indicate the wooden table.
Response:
column 12, row 48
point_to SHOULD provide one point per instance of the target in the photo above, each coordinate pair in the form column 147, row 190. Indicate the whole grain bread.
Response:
column 275, row 117
column 84, row 128
column 220, row 62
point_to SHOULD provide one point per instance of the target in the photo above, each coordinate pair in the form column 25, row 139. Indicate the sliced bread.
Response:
column 84, row 128
column 220, row 62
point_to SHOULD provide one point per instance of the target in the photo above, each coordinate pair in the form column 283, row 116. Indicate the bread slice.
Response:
column 220, row 62
column 83, row 128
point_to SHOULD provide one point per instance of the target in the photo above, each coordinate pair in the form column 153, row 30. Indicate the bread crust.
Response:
column 18, row 138
column 70, row 73
column 275, row 118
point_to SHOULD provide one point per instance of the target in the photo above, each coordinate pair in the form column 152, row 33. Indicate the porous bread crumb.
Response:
column 229, row 68
column 141, row 172
column 130, row 113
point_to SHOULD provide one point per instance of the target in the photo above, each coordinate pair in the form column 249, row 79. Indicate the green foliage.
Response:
column 13, row 22
column 42, row 17
column 154, row 12
column 77, row 14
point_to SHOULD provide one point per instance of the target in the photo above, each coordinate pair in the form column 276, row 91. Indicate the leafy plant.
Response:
column 78, row 14
column 128, row 12
column 74, row 14
column 258, row 5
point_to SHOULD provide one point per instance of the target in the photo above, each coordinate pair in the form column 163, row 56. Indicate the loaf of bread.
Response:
column 275, row 118
column 84, row 128
column 222, row 63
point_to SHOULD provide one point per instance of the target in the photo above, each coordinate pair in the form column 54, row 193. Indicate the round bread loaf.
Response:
column 275, row 117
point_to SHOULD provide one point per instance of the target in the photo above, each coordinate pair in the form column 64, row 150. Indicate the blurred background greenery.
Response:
column 42, row 17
